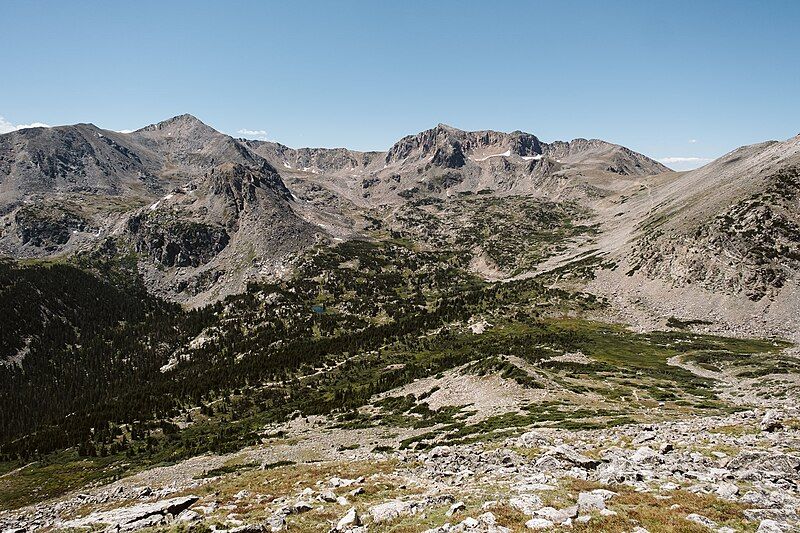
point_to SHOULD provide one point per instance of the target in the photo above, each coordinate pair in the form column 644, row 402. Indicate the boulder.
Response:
column 301, row 506
column 390, row 510
column 569, row 454
column 456, row 507
column 538, row 523
column 349, row 520
column 188, row 516
column 526, row 503
column 727, row 490
column 137, row 516
column 643, row 455
column 753, row 464
column 772, row 421
column 558, row 516
column 702, row 520
column 594, row 500
column 276, row 522
column 781, row 515
column 769, row 526
column 327, row 496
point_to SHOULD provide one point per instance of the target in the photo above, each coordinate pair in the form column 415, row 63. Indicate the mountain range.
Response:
column 205, row 213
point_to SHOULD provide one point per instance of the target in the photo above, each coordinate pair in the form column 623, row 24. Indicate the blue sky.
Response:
column 670, row 79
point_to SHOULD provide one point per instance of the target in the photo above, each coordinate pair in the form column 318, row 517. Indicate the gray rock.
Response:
column 276, row 522
column 137, row 516
column 349, row 520
column 327, row 496
column 558, row 516
column 390, row 510
column 456, row 507
column 302, row 507
column 247, row 528
column 569, row 454
column 772, row 421
column 539, row 523
column 188, row 516
column 645, row 436
column 778, row 514
column 702, row 520
column 753, row 464
column 526, row 503
column 769, row 526
column 594, row 500
column 727, row 490
column 643, row 455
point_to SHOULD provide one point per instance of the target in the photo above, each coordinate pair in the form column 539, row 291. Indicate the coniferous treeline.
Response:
column 72, row 342
column 96, row 347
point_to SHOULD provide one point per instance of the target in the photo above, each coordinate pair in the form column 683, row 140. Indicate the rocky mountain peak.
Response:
column 189, row 129
column 450, row 147
column 178, row 122
column 447, row 128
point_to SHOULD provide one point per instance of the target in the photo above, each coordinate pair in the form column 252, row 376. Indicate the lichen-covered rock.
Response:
column 136, row 517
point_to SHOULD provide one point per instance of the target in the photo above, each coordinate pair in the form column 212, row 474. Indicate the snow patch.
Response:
column 507, row 153
column 536, row 157
column 155, row 206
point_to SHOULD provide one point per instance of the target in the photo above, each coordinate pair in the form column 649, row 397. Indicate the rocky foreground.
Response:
column 737, row 472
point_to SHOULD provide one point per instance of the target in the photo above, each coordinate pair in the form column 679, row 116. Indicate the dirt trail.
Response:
column 21, row 468
column 698, row 371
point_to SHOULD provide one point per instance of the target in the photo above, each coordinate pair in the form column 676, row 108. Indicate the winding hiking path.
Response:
column 677, row 360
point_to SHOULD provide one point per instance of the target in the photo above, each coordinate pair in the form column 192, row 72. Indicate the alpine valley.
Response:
column 471, row 331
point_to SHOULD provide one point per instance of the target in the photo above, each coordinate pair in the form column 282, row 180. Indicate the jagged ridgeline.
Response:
column 206, row 213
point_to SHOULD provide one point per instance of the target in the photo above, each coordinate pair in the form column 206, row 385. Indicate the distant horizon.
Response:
column 683, row 163
column 683, row 83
